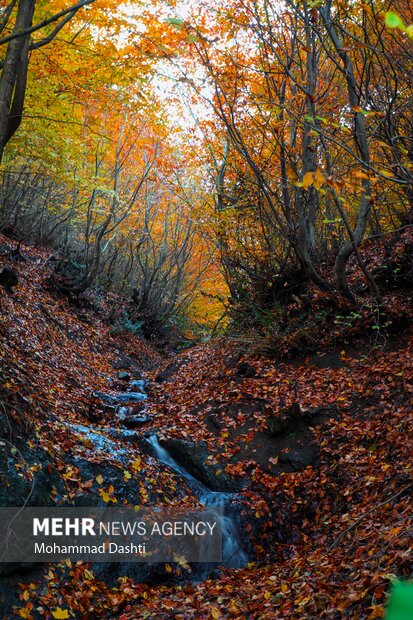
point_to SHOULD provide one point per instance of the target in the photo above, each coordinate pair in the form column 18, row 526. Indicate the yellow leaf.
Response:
column 291, row 174
column 359, row 174
column 308, row 180
column 99, row 479
column 127, row 475
column 319, row 179
column 267, row 595
column 105, row 496
column 215, row 613
column 60, row 614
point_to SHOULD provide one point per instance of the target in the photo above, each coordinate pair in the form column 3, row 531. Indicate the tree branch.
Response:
column 35, row 45
column 355, row 524
column 46, row 22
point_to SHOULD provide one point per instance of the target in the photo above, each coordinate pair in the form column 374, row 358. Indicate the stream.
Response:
column 106, row 440
column 233, row 555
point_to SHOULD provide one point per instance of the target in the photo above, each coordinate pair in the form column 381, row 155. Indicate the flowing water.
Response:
column 233, row 555
column 106, row 440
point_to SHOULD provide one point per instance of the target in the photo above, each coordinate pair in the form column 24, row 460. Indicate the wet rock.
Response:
column 124, row 376
column 138, row 384
column 107, row 398
column 125, row 491
column 131, row 397
column 194, row 458
column 135, row 421
column 123, row 412
column 123, row 397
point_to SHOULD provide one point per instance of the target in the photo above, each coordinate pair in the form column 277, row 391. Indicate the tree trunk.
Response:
column 361, row 143
column 14, row 75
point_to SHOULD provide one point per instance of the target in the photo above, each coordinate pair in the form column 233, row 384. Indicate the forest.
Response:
column 206, row 282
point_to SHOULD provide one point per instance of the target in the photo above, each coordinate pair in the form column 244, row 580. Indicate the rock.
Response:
column 123, row 362
column 194, row 458
column 123, row 397
column 131, row 397
column 138, row 384
column 124, row 376
column 17, row 490
column 301, row 455
column 122, row 412
column 9, row 587
column 5, row 428
column 168, row 372
column 326, row 360
column 246, row 371
column 8, row 279
column 214, row 421
column 107, row 398
column 286, row 421
column 135, row 420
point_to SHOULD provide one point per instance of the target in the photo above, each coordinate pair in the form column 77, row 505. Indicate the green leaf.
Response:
column 401, row 601
column 393, row 20
column 174, row 21
column 192, row 38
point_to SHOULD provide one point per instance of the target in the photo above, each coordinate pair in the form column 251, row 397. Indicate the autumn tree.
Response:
column 14, row 68
column 297, row 90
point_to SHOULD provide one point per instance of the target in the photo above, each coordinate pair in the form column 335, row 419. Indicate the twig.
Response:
column 355, row 524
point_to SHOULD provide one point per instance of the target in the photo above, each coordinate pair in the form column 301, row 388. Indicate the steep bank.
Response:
column 318, row 447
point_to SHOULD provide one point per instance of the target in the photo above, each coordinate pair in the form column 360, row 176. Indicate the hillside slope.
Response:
column 318, row 450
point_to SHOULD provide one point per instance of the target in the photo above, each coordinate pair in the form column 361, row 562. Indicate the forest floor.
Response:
column 318, row 447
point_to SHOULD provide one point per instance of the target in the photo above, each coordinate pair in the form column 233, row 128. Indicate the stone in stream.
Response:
column 122, row 397
column 138, row 384
column 122, row 412
column 124, row 376
column 107, row 398
column 131, row 397
column 194, row 458
column 135, row 421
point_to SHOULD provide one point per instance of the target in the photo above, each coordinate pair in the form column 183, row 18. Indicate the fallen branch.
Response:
column 355, row 524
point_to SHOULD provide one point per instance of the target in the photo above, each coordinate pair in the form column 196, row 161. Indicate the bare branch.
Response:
column 46, row 22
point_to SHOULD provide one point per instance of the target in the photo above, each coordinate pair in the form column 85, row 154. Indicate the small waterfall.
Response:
column 233, row 555
column 105, row 440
